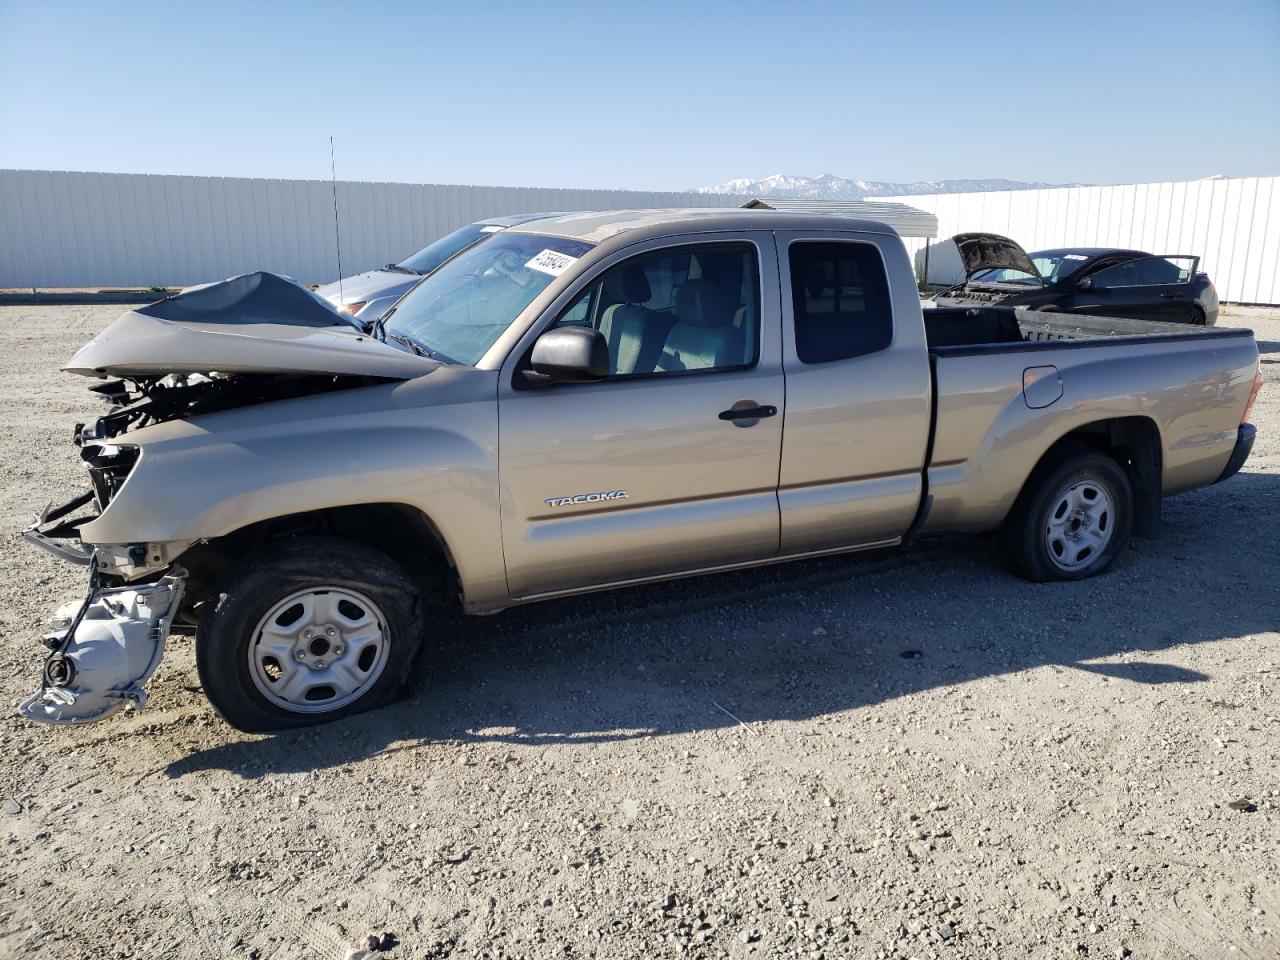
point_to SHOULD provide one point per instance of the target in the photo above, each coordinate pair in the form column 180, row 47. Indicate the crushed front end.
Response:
column 104, row 648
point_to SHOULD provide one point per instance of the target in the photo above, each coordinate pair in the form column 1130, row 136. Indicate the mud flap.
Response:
column 105, row 649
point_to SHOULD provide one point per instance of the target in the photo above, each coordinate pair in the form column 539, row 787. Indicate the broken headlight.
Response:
column 109, row 467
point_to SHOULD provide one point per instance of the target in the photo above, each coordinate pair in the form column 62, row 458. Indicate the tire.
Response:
column 1072, row 519
column 1197, row 316
column 296, row 608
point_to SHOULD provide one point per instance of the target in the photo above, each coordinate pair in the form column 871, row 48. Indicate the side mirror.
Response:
column 1085, row 284
column 571, row 355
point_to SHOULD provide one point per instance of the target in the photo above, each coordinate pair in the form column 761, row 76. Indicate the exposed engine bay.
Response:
column 982, row 254
column 141, row 401
column 968, row 294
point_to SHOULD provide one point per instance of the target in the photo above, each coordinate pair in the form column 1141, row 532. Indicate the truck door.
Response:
column 671, row 463
column 858, row 391
column 1145, row 288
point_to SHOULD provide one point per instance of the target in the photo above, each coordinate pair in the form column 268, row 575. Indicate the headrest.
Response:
column 700, row 303
column 635, row 285
column 815, row 281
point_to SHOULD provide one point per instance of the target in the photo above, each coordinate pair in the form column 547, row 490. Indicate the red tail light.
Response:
column 1253, row 394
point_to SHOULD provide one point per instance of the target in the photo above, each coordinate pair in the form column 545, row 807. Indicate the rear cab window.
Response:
column 840, row 300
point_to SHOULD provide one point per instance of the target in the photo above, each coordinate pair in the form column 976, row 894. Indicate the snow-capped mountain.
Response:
column 830, row 187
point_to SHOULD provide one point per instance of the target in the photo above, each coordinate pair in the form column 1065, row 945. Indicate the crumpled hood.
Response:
column 371, row 285
column 256, row 323
column 987, row 251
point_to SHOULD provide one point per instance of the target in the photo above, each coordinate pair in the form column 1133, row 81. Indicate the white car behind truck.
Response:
column 579, row 403
column 370, row 294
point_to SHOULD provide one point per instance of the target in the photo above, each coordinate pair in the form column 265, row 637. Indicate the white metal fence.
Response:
column 60, row 229
column 1232, row 225
column 64, row 229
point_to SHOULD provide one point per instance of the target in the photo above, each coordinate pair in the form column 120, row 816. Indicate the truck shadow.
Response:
column 798, row 641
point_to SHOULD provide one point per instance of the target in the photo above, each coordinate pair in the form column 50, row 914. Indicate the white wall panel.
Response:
column 67, row 229
column 99, row 229
column 1232, row 225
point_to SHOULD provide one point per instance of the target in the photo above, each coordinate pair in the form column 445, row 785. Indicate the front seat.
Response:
column 625, row 325
column 703, row 335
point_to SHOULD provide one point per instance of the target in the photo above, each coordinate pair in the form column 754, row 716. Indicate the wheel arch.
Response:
column 402, row 531
column 1134, row 443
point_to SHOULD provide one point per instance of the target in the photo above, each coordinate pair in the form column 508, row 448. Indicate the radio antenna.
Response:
column 337, row 231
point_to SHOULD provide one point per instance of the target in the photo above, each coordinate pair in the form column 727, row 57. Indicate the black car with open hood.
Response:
column 1094, row 281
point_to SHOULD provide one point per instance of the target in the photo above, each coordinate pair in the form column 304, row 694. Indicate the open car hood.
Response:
column 986, row 251
column 256, row 323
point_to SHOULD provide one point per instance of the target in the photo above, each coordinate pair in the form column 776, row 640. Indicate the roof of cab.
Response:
column 596, row 226
column 1085, row 251
column 514, row 220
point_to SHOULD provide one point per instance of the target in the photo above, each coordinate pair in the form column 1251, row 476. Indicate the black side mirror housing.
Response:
column 570, row 355
column 1085, row 284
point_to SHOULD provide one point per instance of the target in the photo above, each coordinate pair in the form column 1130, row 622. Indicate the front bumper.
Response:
column 52, row 530
column 104, row 649
column 58, row 531
column 1244, row 445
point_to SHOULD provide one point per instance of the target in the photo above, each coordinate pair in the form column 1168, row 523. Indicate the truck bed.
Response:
column 1189, row 382
column 952, row 331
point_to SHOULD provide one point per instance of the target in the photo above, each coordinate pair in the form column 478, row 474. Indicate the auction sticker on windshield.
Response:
column 551, row 262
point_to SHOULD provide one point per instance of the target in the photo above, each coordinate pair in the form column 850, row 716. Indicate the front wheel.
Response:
column 312, row 629
column 1072, row 519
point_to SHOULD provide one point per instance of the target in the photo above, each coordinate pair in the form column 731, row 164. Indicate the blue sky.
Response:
column 645, row 95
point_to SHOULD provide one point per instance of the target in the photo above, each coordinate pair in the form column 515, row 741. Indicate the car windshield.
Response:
column 1057, row 266
column 1005, row 275
column 458, row 312
column 428, row 258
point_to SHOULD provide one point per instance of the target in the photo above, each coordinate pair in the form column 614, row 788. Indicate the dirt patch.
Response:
column 904, row 755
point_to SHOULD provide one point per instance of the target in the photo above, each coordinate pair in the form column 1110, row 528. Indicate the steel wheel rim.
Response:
column 318, row 650
column 1080, row 526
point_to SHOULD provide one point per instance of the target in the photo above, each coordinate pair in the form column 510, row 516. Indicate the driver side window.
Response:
column 1121, row 275
column 1145, row 272
column 678, row 310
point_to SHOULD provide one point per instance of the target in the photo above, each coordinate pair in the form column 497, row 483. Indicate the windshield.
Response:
column 1057, row 266
column 1006, row 275
column 460, row 310
column 428, row 258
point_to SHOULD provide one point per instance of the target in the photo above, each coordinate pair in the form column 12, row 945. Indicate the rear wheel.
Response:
column 1072, row 519
column 1197, row 316
column 312, row 629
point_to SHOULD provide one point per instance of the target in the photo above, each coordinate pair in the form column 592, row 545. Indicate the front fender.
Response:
column 429, row 444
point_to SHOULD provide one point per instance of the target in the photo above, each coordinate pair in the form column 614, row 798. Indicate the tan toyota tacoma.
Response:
column 579, row 403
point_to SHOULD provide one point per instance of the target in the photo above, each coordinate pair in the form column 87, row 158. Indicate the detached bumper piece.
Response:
column 60, row 536
column 1244, row 445
column 104, row 649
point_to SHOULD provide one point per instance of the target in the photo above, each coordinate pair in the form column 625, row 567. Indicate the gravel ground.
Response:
column 747, row 765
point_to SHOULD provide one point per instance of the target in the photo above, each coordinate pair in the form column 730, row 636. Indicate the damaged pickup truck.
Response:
column 585, row 402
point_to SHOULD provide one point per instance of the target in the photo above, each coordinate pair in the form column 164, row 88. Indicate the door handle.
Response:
column 748, row 413
column 1171, row 296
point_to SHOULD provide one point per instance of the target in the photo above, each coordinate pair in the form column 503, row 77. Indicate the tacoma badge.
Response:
column 587, row 498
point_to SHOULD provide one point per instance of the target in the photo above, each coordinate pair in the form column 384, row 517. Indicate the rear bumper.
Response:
column 1244, row 444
